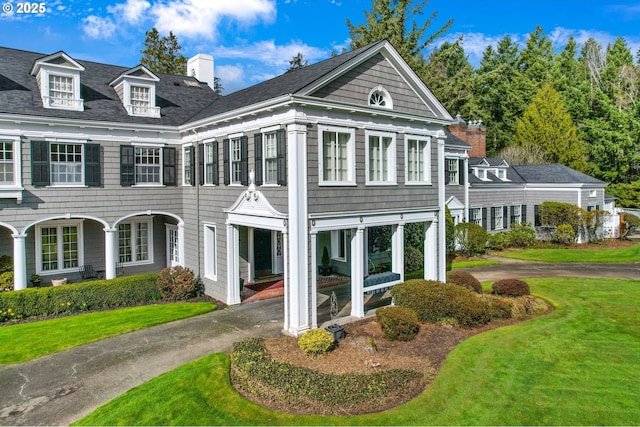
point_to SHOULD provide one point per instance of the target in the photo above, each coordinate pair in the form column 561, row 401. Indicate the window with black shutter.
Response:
column 244, row 160
column 226, row 161
column 536, row 216
column 257, row 142
column 523, row 212
column 505, row 217
column 461, row 174
column 127, row 165
column 169, row 164
column 484, row 218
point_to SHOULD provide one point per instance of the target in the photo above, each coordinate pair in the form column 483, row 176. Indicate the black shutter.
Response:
column 484, row 218
column 257, row 142
column 169, row 166
column 281, row 139
column 201, row 167
column 523, row 213
column 244, row 160
column 446, row 171
column 92, row 165
column 40, row 176
column 505, row 217
column 536, row 215
column 461, row 174
column 493, row 222
column 225, row 164
column 214, row 166
column 127, row 165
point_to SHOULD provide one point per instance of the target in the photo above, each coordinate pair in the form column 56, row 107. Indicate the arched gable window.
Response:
column 379, row 97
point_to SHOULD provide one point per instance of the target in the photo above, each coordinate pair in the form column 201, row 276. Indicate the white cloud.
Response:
column 231, row 77
column 268, row 53
column 201, row 18
column 131, row 11
column 97, row 27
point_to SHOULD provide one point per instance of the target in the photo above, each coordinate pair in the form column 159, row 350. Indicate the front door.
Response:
column 262, row 252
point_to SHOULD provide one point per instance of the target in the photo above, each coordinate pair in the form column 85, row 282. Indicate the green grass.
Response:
column 26, row 341
column 576, row 366
column 604, row 255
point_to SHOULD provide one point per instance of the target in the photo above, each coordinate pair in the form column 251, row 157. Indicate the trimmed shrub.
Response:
column 502, row 308
column 316, row 341
column 511, row 288
column 6, row 281
column 413, row 259
column 470, row 238
column 499, row 241
column 633, row 222
column 178, row 284
column 565, row 234
column 118, row 292
column 522, row 235
column 434, row 301
column 398, row 323
column 256, row 372
column 464, row 279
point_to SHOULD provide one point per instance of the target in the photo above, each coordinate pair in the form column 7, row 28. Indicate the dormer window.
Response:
column 137, row 91
column 379, row 97
column 58, row 76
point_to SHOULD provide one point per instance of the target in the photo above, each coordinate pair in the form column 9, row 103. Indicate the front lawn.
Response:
column 26, row 341
column 572, row 254
column 579, row 365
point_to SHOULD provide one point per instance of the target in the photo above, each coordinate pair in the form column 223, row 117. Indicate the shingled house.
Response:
column 128, row 170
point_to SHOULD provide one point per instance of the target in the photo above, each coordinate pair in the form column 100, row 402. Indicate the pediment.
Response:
column 454, row 203
column 138, row 72
column 58, row 59
column 254, row 203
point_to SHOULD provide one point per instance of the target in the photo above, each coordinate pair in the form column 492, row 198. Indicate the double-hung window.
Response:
column 140, row 99
column 381, row 159
column 496, row 218
column 210, row 163
column 6, row 163
column 65, row 163
column 236, row 161
column 270, row 157
column 475, row 216
column 135, row 242
column 337, row 155
column 61, row 92
column 236, row 157
column 451, row 171
column 147, row 165
column 516, row 214
column 418, row 161
column 58, row 247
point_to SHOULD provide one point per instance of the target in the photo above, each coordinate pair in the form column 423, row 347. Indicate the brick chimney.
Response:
column 474, row 133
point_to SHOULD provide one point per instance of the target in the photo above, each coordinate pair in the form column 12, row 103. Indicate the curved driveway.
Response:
column 63, row 387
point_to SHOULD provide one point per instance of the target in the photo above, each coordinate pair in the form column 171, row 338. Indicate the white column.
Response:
column 298, row 300
column 314, row 279
column 397, row 250
column 251, row 252
column 110, row 251
column 431, row 251
column 287, row 285
column 19, row 262
column 441, row 254
column 181, row 244
column 357, row 273
column 233, row 265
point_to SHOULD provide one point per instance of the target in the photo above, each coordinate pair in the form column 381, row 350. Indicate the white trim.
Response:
column 388, row 101
column 150, row 247
column 58, row 224
column 392, row 173
column 210, row 232
column 13, row 190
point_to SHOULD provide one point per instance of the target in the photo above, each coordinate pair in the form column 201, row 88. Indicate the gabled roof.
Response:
column 304, row 81
column 454, row 141
column 487, row 161
column 180, row 97
column 138, row 72
column 58, row 59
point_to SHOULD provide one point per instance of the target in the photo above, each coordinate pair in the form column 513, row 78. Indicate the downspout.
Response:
column 196, row 179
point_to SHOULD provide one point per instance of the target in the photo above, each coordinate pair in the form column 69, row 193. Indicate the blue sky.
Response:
column 253, row 40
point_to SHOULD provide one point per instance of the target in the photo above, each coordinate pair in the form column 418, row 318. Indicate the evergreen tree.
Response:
column 546, row 124
column 450, row 77
column 568, row 77
column 395, row 20
column 217, row 86
column 162, row 54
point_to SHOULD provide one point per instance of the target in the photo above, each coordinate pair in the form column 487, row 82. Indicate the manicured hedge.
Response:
column 435, row 301
column 398, row 323
column 122, row 291
column 511, row 288
column 464, row 279
column 256, row 372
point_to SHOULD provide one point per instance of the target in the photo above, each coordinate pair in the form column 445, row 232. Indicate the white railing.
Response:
column 63, row 103
column 138, row 110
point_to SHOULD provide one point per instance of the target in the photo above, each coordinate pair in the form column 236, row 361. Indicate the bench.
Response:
column 380, row 282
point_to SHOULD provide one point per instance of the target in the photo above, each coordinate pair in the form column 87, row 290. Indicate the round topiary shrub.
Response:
column 464, row 279
column 502, row 308
column 398, row 323
column 316, row 341
column 434, row 301
column 177, row 284
column 511, row 288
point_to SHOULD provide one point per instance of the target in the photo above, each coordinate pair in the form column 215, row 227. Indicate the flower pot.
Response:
column 59, row 281
column 325, row 270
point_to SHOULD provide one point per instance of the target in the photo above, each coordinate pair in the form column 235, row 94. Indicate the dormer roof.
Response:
column 58, row 59
column 138, row 72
